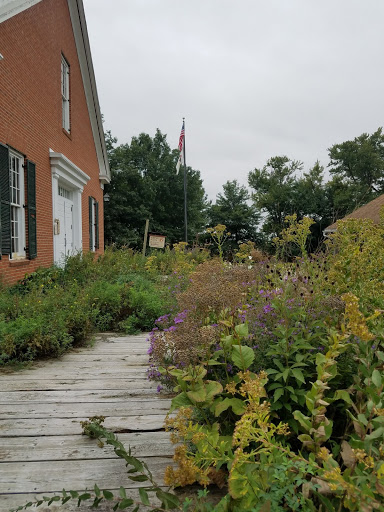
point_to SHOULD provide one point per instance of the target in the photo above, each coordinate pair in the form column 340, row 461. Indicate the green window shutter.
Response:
column 97, row 224
column 5, row 201
column 90, row 202
column 31, row 210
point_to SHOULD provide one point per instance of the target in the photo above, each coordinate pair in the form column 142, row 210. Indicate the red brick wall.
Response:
column 32, row 43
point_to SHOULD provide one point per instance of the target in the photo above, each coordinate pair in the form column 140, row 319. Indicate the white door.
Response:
column 65, row 217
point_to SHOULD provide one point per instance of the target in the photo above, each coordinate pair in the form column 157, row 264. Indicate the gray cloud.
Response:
column 253, row 78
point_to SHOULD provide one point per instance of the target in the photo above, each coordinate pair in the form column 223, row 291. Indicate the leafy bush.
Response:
column 52, row 309
column 284, row 400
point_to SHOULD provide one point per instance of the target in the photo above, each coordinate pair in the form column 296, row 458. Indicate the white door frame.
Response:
column 66, row 173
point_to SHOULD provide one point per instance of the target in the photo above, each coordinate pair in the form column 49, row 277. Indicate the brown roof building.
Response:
column 370, row 211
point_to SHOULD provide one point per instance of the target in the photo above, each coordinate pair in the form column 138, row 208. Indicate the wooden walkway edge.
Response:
column 42, row 450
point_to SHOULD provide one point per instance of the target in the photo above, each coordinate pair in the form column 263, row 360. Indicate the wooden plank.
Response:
column 106, row 357
column 9, row 501
column 41, row 447
column 94, row 383
column 143, row 444
column 50, row 367
column 53, row 476
column 69, row 373
column 67, row 426
column 98, row 363
column 89, row 395
column 136, row 406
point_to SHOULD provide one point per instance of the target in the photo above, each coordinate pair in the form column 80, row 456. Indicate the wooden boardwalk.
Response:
column 42, row 450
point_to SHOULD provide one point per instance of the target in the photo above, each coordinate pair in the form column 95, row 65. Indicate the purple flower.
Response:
column 159, row 388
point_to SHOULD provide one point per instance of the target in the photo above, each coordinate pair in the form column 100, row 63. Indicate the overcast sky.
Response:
column 253, row 78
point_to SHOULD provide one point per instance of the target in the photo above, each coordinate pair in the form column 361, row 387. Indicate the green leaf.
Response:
column 82, row 497
column 279, row 365
column 298, row 374
column 134, row 462
column 227, row 342
column 212, row 388
column 362, row 419
column 97, row 491
column 125, row 503
column 170, row 501
column 238, row 406
column 242, row 356
column 197, row 395
column 108, row 495
column 375, row 434
column 376, row 378
column 341, row 394
column 144, row 496
column 122, row 492
column 278, row 393
column 242, row 330
column 275, row 385
column 304, row 421
column 138, row 478
column 180, row 400
column 285, row 374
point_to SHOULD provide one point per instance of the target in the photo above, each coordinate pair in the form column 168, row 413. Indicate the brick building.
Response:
column 53, row 160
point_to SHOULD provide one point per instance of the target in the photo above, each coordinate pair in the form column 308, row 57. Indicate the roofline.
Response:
column 10, row 8
column 80, row 32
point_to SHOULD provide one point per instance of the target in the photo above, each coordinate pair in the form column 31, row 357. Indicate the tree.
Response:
column 232, row 210
column 274, row 191
column 359, row 164
column 145, row 185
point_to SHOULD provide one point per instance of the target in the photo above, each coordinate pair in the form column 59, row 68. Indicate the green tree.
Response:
column 359, row 165
column 232, row 210
column 274, row 191
column 145, row 185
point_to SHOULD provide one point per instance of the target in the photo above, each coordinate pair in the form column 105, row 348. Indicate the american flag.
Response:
column 181, row 144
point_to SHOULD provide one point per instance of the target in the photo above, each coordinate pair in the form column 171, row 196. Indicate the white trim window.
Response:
column 16, row 174
column 65, row 93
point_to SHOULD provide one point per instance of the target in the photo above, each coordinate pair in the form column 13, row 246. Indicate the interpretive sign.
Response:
column 157, row 241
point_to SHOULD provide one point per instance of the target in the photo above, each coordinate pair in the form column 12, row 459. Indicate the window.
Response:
column 17, row 205
column 63, row 192
column 65, row 93
column 16, row 175
column 93, row 224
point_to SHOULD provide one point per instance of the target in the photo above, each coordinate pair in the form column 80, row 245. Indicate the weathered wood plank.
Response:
column 67, row 426
column 78, row 365
column 134, row 407
column 9, row 501
column 97, row 363
column 41, row 447
column 44, row 448
column 22, row 384
column 89, row 395
column 70, row 373
column 129, row 359
column 47, row 476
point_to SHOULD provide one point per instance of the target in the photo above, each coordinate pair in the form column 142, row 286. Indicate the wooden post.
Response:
column 145, row 236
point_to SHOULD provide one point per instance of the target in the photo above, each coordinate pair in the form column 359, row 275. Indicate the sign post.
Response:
column 145, row 236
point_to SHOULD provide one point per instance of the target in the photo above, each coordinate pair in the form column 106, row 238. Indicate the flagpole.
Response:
column 185, row 189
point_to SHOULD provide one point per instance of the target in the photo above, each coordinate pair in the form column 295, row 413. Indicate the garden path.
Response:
column 42, row 450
